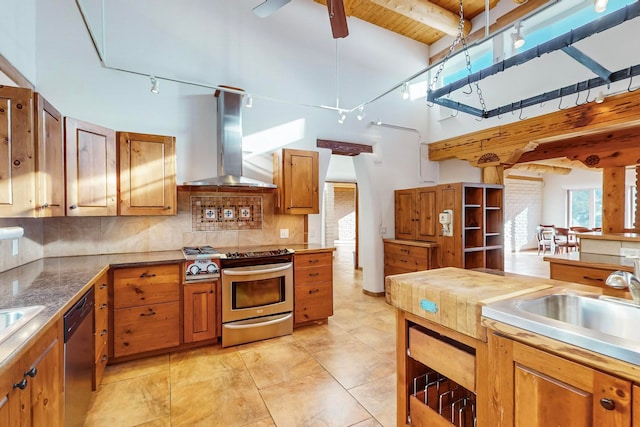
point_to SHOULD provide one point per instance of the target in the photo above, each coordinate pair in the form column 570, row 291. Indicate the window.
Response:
column 585, row 207
column 630, row 213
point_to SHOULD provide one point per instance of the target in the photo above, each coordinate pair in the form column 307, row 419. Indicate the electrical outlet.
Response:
column 383, row 230
column 284, row 233
column 15, row 251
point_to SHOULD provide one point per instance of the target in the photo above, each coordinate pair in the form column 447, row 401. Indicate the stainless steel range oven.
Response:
column 257, row 295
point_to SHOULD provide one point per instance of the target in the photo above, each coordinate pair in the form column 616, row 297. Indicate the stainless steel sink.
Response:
column 605, row 325
column 12, row 319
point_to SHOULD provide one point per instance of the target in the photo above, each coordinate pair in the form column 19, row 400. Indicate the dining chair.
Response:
column 544, row 235
column 564, row 240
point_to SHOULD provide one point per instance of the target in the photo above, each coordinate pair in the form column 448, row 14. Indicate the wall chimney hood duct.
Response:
column 230, row 146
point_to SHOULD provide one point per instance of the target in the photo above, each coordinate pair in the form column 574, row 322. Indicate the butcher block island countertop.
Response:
column 453, row 297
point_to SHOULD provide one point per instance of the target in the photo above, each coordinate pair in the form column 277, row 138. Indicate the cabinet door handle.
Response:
column 313, row 291
column 168, row 208
column 103, row 306
column 314, row 274
column 607, row 404
column 314, row 261
column 404, row 250
column 73, row 207
column 31, row 372
column 21, row 385
column 104, row 332
column 145, row 274
column 597, row 279
column 104, row 358
column 151, row 313
column 45, row 205
column 104, row 285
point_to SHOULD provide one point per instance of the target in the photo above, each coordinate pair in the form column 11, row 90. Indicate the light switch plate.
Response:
column 284, row 233
column 15, row 247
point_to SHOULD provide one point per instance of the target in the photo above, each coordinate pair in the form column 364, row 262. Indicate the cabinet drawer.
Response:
column 303, row 276
column 140, row 329
column 586, row 276
column 406, row 262
column 313, row 260
column 446, row 358
column 142, row 286
column 101, row 291
column 313, row 302
column 100, row 365
column 406, row 250
column 101, row 337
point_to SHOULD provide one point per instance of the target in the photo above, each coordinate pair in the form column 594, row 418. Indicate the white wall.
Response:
column 286, row 62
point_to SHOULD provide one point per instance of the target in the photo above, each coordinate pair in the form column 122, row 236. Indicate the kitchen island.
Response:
column 444, row 342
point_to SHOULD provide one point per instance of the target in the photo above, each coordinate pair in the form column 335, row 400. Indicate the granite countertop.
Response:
column 581, row 259
column 56, row 283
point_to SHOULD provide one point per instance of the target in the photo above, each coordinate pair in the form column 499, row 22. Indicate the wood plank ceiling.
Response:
column 421, row 20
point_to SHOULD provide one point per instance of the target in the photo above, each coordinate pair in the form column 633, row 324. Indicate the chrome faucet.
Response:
column 624, row 279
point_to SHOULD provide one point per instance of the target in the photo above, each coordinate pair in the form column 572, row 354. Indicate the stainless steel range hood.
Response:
column 230, row 146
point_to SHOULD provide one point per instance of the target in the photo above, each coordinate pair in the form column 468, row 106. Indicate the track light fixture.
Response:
column 248, row 101
column 154, row 85
column 599, row 99
column 600, row 6
column 341, row 117
column 361, row 114
column 516, row 37
column 405, row 91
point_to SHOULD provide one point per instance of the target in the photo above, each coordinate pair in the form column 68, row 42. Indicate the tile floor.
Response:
column 341, row 373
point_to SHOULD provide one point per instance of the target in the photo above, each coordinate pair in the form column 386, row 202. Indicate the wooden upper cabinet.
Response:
column 147, row 174
column 415, row 214
column 50, row 159
column 295, row 172
column 17, row 153
column 91, row 169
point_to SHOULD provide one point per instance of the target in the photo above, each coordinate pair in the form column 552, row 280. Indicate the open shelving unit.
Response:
column 483, row 234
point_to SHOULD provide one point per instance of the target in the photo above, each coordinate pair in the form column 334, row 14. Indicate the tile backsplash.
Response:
column 69, row 236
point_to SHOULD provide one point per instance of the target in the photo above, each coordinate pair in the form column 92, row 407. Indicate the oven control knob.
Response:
column 212, row 268
column 194, row 269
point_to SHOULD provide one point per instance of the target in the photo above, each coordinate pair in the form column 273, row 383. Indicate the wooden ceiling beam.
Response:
column 344, row 148
column 428, row 14
column 498, row 144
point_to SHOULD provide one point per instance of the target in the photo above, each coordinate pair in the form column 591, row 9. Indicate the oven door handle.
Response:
column 260, row 324
column 240, row 271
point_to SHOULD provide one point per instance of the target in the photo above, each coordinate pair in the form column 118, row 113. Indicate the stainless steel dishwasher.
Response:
column 78, row 359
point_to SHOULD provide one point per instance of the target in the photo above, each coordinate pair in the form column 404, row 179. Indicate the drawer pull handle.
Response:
column 597, row 279
column 103, row 306
column 104, row 285
column 104, row 358
column 404, row 250
column 151, row 313
column 31, row 372
column 143, row 275
column 104, row 332
column 607, row 404
column 429, row 306
column 21, row 385
column 314, row 274
column 313, row 291
column 404, row 260
column 314, row 261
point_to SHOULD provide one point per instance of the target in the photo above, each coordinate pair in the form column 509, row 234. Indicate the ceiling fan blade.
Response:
column 268, row 7
column 337, row 18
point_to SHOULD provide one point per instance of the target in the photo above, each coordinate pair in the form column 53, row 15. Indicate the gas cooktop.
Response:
column 205, row 252
column 200, row 252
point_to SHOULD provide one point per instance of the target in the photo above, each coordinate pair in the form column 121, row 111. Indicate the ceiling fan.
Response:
column 337, row 15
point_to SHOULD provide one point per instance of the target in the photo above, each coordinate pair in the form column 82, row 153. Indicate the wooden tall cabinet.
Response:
column 476, row 237
column 48, row 127
column 147, row 174
column 296, row 174
column 416, row 216
column 17, row 153
column 91, row 169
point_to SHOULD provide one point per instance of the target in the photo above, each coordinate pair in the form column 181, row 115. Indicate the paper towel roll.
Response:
column 11, row 232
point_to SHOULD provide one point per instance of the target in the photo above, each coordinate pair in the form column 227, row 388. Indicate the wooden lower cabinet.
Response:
column 146, row 309
column 200, row 311
column 402, row 256
column 101, row 328
column 439, row 384
column 32, row 392
column 313, row 287
column 534, row 388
